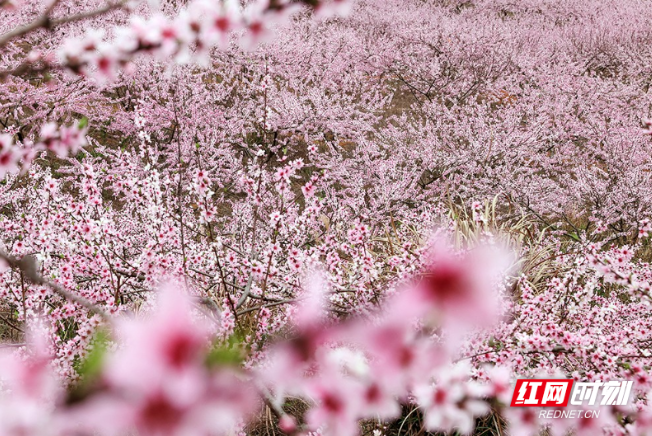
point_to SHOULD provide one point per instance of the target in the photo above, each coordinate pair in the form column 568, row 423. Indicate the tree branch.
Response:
column 44, row 21
column 29, row 267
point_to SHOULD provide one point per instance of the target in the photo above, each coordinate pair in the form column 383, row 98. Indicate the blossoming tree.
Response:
column 321, row 217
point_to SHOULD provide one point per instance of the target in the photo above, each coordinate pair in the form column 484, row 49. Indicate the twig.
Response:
column 273, row 405
column 246, row 292
column 13, row 345
column 276, row 303
column 46, row 22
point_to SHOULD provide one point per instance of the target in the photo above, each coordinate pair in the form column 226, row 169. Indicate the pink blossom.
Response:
column 452, row 402
column 9, row 156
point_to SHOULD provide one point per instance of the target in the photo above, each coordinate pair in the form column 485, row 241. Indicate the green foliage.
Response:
column 229, row 353
column 90, row 367
column 83, row 123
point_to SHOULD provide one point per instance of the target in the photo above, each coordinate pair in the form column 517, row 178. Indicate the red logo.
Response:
column 542, row 393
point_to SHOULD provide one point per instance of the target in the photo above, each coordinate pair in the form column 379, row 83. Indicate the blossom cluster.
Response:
column 164, row 372
column 61, row 141
column 197, row 28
